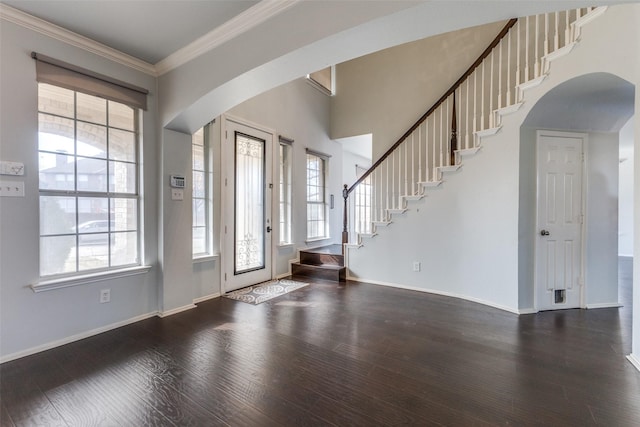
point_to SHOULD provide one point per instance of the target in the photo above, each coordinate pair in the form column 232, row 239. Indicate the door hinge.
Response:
column 225, row 277
column 225, row 229
column 226, row 134
column 225, row 182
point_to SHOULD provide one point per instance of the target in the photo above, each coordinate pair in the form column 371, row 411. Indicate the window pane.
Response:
column 93, row 215
column 124, row 249
column 92, row 140
column 56, row 172
column 57, row 215
column 55, row 100
column 55, row 134
column 91, row 108
column 199, row 240
column 121, row 116
column 198, row 184
column 122, row 145
column 198, row 157
column 122, row 177
column 92, row 175
column 57, row 255
column 124, row 214
column 199, row 213
column 93, row 251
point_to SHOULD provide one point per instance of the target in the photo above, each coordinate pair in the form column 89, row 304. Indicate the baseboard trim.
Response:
column 604, row 305
column 527, row 311
column 634, row 361
column 283, row 275
column 76, row 337
column 435, row 292
column 206, row 298
column 176, row 310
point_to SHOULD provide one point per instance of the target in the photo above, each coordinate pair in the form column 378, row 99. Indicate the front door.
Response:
column 559, row 220
column 247, row 209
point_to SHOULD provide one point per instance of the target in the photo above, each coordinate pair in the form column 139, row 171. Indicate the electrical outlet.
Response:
column 416, row 266
column 105, row 295
column 177, row 194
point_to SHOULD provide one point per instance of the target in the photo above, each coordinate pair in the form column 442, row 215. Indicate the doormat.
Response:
column 262, row 292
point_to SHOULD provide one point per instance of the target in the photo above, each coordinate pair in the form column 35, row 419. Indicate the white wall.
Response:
column 625, row 189
column 299, row 111
column 385, row 92
column 464, row 234
column 31, row 320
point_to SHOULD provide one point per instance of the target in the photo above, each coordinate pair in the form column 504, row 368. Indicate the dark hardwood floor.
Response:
column 354, row 355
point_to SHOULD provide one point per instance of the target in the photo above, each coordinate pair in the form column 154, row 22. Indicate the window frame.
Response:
column 207, row 199
column 322, row 202
column 285, row 178
column 82, row 196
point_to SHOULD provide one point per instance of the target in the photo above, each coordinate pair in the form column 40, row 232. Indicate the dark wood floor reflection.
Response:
column 338, row 355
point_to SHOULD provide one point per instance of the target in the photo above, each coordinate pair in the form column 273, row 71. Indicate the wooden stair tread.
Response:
column 322, row 266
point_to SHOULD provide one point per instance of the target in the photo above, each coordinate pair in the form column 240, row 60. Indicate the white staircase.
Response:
column 494, row 88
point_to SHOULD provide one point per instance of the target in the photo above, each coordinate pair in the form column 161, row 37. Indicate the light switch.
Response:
column 11, row 189
column 177, row 194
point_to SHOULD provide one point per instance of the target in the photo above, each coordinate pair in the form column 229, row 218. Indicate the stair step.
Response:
column 326, row 255
column 430, row 184
column 368, row 235
column 396, row 211
column 333, row 273
column 451, row 168
column 509, row 110
column 468, row 151
column 531, row 83
column 381, row 223
column 413, row 197
column 487, row 132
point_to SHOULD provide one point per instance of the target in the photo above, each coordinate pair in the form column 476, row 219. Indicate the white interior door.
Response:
column 559, row 220
column 247, row 210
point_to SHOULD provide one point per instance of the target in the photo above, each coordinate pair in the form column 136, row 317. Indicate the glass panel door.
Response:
column 249, row 203
column 247, row 170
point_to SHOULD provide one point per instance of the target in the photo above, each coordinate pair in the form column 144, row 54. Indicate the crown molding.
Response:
column 250, row 18
column 41, row 26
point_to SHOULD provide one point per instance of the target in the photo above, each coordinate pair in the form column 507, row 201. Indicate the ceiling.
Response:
column 149, row 30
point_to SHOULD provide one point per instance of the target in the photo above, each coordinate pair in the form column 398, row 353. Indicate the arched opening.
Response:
column 598, row 108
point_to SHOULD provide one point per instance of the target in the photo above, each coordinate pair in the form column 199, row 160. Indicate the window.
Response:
column 286, row 150
column 362, row 196
column 88, row 180
column 201, row 193
column 316, row 196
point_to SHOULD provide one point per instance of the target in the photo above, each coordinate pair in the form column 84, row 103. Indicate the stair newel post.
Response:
column 454, row 134
column 345, row 232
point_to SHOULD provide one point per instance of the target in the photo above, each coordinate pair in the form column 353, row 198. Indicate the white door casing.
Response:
column 559, row 249
column 247, row 194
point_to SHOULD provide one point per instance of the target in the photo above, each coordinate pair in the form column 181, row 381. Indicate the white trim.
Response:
column 66, row 282
column 433, row 291
column 237, row 25
column 604, row 305
column 69, row 37
column 527, row 311
column 76, row 337
column 283, row 275
column 285, row 245
column 634, row 361
column 205, row 258
column 206, row 298
column 176, row 310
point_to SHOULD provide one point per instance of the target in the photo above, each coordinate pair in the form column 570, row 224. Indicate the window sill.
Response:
column 205, row 258
column 66, row 282
column 317, row 239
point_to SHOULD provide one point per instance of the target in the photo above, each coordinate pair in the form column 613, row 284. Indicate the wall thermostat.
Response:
column 177, row 181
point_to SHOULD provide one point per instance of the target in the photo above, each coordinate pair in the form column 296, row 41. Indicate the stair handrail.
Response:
column 439, row 102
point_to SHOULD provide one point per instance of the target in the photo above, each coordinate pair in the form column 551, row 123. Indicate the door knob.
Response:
column 544, row 233
column 268, row 229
